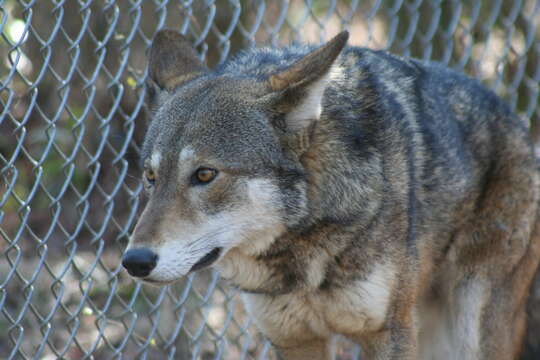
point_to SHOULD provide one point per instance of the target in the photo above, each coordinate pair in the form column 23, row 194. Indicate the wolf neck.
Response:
column 344, row 172
column 343, row 188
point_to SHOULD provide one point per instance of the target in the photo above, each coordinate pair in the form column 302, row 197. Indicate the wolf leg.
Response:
column 393, row 344
column 294, row 328
column 479, row 320
column 479, row 315
column 451, row 324
column 316, row 349
column 503, row 323
column 502, row 310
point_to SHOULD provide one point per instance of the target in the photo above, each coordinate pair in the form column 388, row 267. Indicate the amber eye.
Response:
column 204, row 175
column 150, row 176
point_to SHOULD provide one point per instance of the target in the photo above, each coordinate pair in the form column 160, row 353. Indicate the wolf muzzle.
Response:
column 139, row 262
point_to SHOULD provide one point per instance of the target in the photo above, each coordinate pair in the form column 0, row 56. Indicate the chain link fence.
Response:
column 72, row 111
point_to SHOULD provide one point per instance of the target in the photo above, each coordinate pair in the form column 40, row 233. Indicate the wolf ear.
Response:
column 300, row 87
column 173, row 60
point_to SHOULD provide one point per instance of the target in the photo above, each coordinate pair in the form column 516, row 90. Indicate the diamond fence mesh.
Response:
column 72, row 115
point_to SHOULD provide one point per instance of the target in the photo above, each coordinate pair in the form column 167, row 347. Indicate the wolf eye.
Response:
column 150, row 176
column 204, row 175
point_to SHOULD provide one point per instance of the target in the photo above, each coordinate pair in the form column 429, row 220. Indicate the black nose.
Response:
column 139, row 262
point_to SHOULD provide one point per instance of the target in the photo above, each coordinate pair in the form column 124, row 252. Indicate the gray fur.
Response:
column 415, row 184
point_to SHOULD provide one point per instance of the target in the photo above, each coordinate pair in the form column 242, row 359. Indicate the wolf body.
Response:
column 344, row 191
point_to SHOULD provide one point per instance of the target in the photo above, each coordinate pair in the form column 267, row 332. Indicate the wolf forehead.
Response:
column 216, row 116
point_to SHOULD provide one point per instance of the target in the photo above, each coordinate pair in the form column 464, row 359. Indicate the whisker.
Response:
column 202, row 239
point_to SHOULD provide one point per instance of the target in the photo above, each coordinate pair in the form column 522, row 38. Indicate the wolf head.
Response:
column 222, row 157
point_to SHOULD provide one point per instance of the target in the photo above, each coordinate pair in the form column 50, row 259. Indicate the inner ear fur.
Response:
column 173, row 60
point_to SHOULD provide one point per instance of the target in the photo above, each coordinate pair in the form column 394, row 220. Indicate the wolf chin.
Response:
column 344, row 191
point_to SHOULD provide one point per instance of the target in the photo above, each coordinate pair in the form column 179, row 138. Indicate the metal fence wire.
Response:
column 72, row 117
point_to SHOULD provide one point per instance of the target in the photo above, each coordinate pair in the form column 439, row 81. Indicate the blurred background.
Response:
column 72, row 117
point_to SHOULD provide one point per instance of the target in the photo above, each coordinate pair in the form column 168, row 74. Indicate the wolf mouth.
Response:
column 206, row 260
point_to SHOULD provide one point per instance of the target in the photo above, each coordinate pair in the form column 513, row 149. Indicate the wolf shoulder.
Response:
column 433, row 91
column 448, row 117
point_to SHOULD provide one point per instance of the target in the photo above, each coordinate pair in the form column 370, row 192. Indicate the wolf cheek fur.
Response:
column 391, row 201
